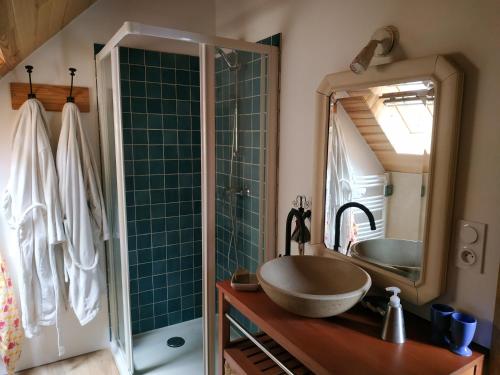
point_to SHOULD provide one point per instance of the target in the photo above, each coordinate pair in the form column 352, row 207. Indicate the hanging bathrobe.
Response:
column 32, row 208
column 85, row 221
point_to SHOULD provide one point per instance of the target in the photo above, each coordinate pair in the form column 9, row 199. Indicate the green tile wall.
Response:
column 253, row 140
column 247, row 165
column 161, row 133
column 248, row 168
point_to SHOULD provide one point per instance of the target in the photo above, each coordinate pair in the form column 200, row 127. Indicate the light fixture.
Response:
column 380, row 44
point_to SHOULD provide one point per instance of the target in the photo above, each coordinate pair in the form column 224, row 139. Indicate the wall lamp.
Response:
column 381, row 44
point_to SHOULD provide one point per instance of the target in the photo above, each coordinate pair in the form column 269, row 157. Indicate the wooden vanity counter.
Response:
column 345, row 344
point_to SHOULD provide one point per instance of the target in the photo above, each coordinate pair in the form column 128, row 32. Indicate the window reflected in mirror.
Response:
column 379, row 147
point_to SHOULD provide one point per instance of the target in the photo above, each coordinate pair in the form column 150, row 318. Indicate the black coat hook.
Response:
column 29, row 69
column 70, row 98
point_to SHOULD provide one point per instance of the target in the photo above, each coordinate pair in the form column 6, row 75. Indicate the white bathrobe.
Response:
column 85, row 221
column 32, row 208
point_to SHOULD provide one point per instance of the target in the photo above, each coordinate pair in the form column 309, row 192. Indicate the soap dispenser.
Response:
column 394, row 324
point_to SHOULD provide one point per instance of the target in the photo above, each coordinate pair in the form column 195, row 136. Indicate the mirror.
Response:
column 379, row 149
column 387, row 139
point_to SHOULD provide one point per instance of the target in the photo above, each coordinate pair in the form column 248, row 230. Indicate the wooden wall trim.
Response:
column 53, row 97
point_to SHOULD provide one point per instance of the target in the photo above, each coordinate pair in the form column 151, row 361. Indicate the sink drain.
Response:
column 175, row 342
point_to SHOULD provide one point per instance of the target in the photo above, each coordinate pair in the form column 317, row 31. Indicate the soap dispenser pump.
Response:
column 394, row 324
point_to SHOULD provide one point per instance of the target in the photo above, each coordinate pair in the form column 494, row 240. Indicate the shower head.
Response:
column 225, row 57
column 380, row 44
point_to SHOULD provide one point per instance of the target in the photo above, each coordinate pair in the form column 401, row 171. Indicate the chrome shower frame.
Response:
column 110, row 123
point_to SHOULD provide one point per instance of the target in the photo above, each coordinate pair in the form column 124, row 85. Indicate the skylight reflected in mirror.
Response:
column 405, row 114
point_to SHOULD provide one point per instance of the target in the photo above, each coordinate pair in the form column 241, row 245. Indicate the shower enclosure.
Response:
column 188, row 139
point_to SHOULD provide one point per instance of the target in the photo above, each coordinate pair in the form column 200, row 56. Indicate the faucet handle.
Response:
column 301, row 202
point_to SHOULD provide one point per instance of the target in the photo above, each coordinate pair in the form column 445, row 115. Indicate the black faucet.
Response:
column 341, row 210
column 300, row 215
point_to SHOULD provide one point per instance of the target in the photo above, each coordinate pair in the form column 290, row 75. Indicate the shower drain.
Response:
column 176, row 342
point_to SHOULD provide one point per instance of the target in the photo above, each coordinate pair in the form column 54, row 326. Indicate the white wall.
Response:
column 322, row 36
column 73, row 46
column 404, row 206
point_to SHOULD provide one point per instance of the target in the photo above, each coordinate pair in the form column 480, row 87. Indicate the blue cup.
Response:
column 463, row 327
column 441, row 319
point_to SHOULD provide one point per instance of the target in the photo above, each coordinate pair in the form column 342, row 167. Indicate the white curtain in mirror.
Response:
column 338, row 185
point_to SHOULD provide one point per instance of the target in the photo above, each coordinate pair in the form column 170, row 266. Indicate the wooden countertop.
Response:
column 349, row 343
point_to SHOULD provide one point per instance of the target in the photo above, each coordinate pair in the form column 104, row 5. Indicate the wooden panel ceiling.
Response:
column 362, row 115
column 27, row 24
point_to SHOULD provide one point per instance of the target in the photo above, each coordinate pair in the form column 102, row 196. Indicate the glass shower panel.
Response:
column 160, row 109
column 117, row 299
column 241, row 136
column 241, row 125
column 161, row 126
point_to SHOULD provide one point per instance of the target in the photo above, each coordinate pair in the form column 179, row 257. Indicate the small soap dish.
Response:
column 245, row 281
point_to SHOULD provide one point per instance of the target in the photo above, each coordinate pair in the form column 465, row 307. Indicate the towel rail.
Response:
column 369, row 191
column 367, row 224
column 258, row 344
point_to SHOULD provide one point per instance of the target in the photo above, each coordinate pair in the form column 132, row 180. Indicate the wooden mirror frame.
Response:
column 448, row 81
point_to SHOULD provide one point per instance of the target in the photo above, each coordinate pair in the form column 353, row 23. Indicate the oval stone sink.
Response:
column 403, row 257
column 313, row 286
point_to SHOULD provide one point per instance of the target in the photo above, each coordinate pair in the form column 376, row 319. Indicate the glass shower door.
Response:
column 117, row 261
column 239, row 94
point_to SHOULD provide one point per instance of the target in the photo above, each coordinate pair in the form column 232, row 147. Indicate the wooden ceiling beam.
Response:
column 26, row 24
column 8, row 42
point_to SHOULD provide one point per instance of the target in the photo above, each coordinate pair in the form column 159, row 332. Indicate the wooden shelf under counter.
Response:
column 347, row 344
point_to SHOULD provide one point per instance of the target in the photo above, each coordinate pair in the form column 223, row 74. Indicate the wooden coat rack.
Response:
column 53, row 97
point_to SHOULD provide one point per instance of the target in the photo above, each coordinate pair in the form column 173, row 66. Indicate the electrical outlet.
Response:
column 470, row 245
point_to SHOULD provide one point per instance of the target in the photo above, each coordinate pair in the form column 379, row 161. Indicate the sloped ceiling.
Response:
column 360, row 107
column 27, row 24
